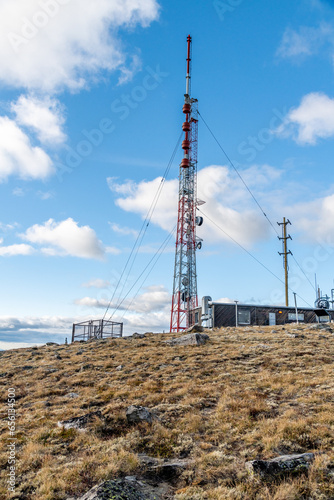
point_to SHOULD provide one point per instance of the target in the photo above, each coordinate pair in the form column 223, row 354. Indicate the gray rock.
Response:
column 88, row 366
column 189, row 339
column 281, row 465
column 195, row 329
column 138, row 335
column 57, row 356
column 128, row 488
column 51, row 343
column 80, row 422
column 119, row 368
column 321, row 326
column 136, row 414
column 72, row 395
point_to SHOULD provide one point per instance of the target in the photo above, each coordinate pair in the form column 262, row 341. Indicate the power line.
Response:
column 250, row 192
column 238, row 173
column 144, row 226
column 250, row 254
column 308, row 279
column 160, row 250
column 158, row 254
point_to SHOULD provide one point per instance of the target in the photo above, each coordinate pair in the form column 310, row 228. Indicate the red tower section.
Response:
column 185, row 277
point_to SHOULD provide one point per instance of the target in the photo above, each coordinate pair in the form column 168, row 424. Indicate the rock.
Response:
column 128, row 488
column 88, row 366
column 119, row 368
column 27, row 367
column 135, row 414
column 79, row 352
column 138, row 335
column 281, row 465
column 190, row 339
column 57, row 356
column 51, row 343
column 195, row 329
column 321, row 326
column 80, row 422
column 72, row 395
column 169, row 470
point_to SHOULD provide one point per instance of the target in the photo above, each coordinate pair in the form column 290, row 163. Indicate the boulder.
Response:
column 136, row 414
column 80, row 422
column 281, row 465
column 128, row 488
column 195, row 329
column 51, row 343
column 138, row 335
column 189, row 339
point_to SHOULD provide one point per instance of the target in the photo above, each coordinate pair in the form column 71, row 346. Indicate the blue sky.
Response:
column 90, row 113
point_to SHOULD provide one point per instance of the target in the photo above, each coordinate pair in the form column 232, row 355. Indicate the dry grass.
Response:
column 248, row 393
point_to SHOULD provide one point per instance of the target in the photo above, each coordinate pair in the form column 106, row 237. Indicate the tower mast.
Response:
column 185, row 277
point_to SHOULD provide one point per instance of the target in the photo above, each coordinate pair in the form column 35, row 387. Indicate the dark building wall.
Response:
column 224, row 315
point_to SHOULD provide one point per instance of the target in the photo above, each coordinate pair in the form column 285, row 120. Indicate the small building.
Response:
column 217, row 314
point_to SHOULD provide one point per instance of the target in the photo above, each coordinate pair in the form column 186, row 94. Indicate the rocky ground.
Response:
column 246, row 413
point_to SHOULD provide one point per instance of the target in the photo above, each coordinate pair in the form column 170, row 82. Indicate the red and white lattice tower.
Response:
column 185, row 278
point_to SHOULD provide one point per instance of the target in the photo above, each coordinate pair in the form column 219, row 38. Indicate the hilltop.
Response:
column 248, row 393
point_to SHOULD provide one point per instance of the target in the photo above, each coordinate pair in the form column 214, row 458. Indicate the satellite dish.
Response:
column 199, row 245
column 185, row 281
column 322, row 303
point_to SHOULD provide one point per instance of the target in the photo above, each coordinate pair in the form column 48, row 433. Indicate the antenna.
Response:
column 185, row 298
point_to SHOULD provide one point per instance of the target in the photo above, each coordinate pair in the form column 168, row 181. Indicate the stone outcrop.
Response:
column 80, row 422
column 136, row 414
column 284, row 464
column 128, row 488
column 189, row 339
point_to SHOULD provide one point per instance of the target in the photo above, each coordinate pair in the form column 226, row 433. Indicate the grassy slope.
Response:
column 248, row 393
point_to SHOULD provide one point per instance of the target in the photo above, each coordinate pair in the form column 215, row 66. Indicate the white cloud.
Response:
column 112, row 250
column 8, row 227
column 66, row 238
column 312, row 120
column 67, row 45
column 97, row 283
column 126, row 231
column 153, row 299
column 18, row 192
column 45, row 116
column 226, row 203
column 18, row 156
column 13, row 250
column 305, row 42
column 44, row 195
column 316, row 220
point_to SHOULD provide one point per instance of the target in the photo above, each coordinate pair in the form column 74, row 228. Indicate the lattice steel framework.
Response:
column 185, row 277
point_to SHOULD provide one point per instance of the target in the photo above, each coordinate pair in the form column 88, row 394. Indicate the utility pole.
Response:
column 285, row 254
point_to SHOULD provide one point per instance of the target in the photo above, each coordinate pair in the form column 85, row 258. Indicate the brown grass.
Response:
column 246, row 394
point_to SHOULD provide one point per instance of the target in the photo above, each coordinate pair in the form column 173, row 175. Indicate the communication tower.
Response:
column 185, row 297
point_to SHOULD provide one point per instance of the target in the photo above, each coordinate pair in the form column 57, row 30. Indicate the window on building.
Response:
column 324, row 319
column 244, row 317
column 292, row 317
column 196, row 317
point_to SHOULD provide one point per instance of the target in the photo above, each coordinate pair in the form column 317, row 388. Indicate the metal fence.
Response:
column 96, row 329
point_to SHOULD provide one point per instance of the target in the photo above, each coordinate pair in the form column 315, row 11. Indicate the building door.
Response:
column 272, row 319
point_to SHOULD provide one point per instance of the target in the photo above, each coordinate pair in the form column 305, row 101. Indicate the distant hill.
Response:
column 248, row 393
